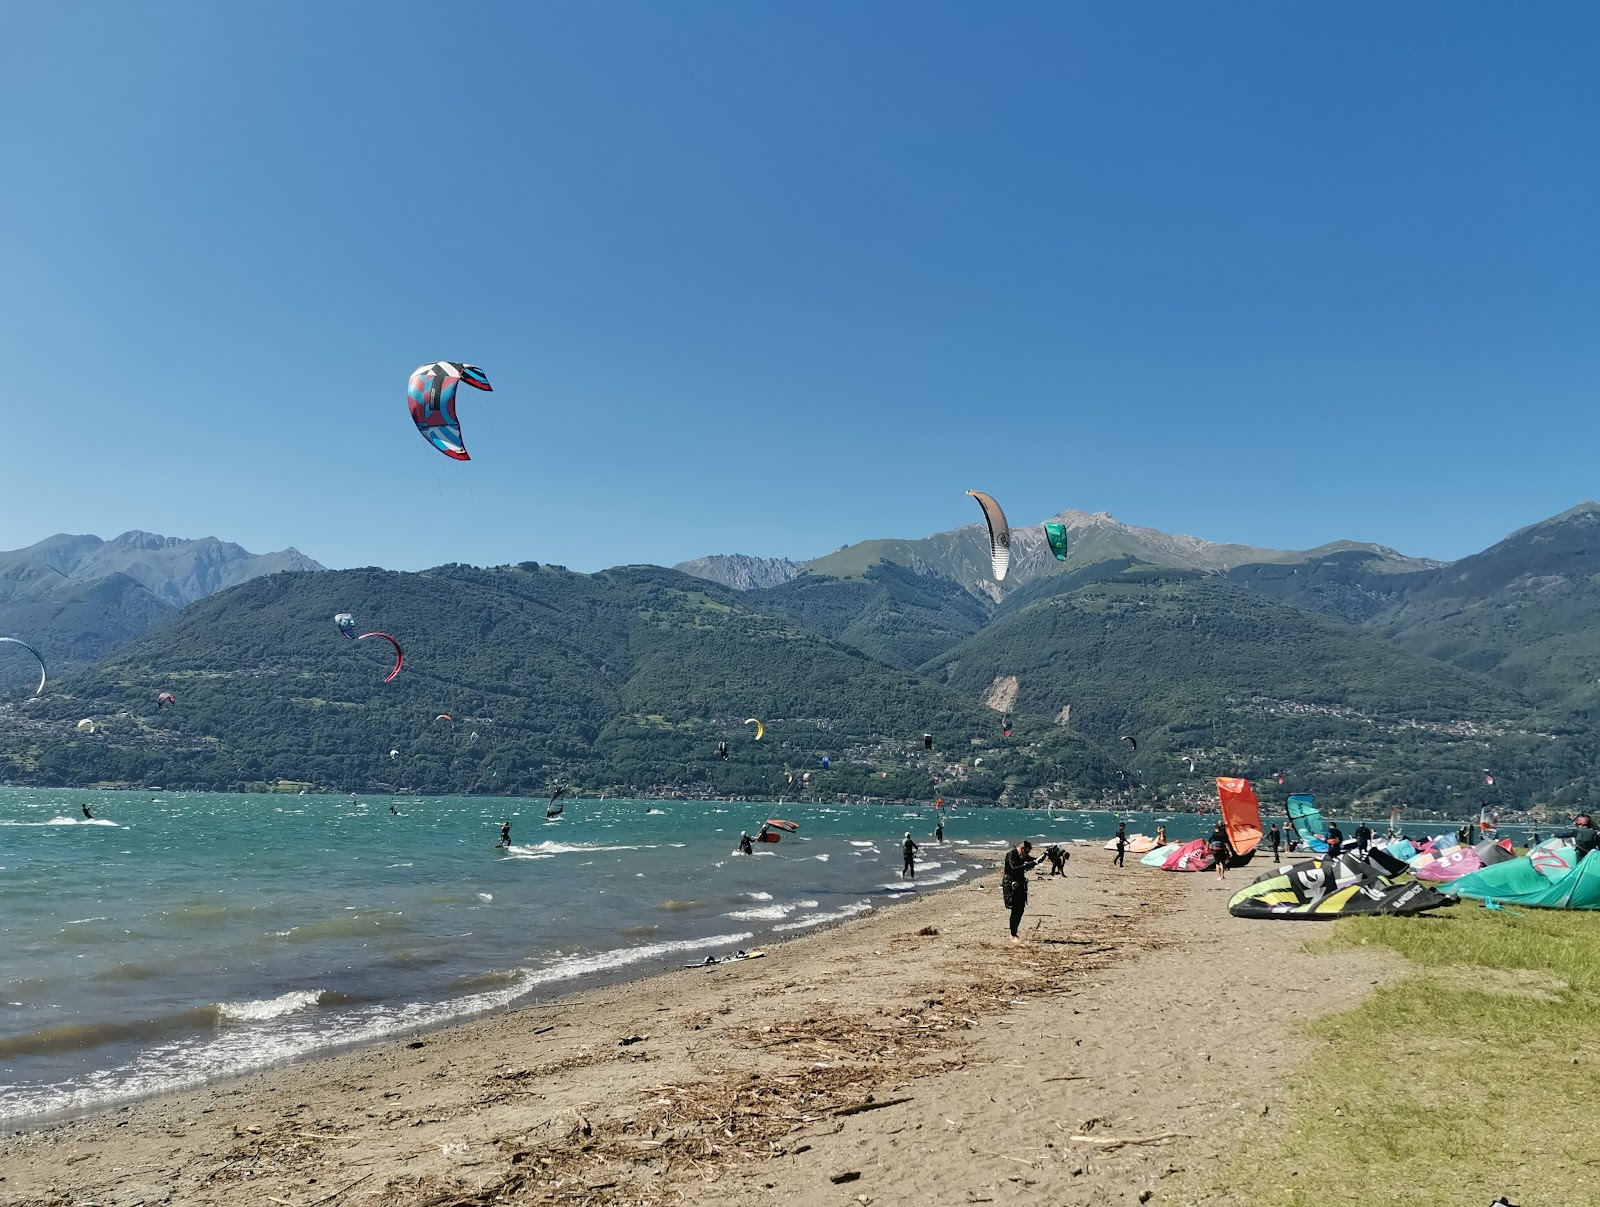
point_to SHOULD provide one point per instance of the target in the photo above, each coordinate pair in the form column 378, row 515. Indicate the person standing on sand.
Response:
column 1273, row 840
column 1218, row 844
column 1335, row 839
column 1161, row 836
column 1363, row 838
column 1014, row 882
column 909, row 851
column 1122, row 845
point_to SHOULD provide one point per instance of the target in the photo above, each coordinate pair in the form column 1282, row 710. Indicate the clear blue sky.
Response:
column 773, row 277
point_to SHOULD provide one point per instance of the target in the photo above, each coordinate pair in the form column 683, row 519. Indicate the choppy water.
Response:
column 181, row 937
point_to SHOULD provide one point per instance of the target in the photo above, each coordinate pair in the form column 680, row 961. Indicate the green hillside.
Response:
column 1195, row 666
column 1525, row 611
column 893, row 613
column 621, row 681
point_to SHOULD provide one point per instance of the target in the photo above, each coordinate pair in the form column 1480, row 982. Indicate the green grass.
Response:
column 1479, row 1075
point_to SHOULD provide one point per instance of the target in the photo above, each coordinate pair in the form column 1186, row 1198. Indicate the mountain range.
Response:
column 82, row 597
column 1348, row 669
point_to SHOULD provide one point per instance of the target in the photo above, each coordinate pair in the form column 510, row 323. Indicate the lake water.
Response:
column 180, row 937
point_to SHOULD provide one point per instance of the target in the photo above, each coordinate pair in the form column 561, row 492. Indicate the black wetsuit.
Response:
column 1363, row 839
column 746, row 847
column 1335, row 839
column 910, row 853
column 1015, row 885
column 1585, row 839
column 1122, row 847
column 86, row 812
column 938, row 832
column 1273, row 840
column 505, row 835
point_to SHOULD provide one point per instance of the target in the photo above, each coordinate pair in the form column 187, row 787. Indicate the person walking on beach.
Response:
column 1218, row 844
column 909, row 851
column 1014, row 882
column 1273, row 841
column 1363, row 838
column 1122, row 845
column 505, row 834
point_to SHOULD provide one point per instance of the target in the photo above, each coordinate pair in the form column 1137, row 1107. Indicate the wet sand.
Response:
column 915, row 1055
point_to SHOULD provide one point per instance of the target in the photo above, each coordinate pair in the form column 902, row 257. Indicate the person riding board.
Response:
column 86, row 812
column 505, row 834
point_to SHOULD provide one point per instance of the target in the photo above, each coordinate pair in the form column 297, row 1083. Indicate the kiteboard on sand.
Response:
column 714, row 961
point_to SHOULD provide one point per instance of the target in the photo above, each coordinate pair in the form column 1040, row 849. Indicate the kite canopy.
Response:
column 1133, row 741
column 1191, row 856
column 163, row 699
column 399, row 654
column 999, row 534
column 1158, row 857
column 1241, row 817
column 1334, row 888
column 927, row 741
column 553, row 809
column 1307, row 821
column 431, row 396
column 777, row 823
column 1056, row 534
column 760, row 728
column 86, row 726
column 347, row 624
column 1451, row 865
column 1551, row 876
column 35, row 653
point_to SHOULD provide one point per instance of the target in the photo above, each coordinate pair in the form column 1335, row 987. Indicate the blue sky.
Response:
column 772, row 278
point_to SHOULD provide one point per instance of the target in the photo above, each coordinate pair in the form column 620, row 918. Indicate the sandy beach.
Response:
column 1121, row 1054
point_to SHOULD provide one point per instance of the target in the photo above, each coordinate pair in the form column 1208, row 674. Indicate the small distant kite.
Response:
column 35, row 653
column 999, row 534
column 163, row 699
column 1133, row 741
column 86, row 726
column 722, row 751
column 761, row 729
column 553, row 809
column 1056, row 534
column 927, row 741
column 431, row 396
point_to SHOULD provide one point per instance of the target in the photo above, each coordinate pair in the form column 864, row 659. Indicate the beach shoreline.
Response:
column 765, row 1079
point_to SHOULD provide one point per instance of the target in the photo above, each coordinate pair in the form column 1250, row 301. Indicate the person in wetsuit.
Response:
column 86, row 812
column 393, row 811
column 1122, row 845
column 1058, row 856
column 938, row 831
column 746, row 847
column 1363, row 838
column 505, row 834
column 1014, row 882
column 1585, row 837
column 909, row 851
column 1274, row 840
column 1218, row 846
column 1335, row 839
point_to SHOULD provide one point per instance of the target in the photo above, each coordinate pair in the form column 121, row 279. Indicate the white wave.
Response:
column 485, row 896
column 289, row 1035
column 399, row 865
column 823, row 858
column 655, row 813
column 274, row 1007
column 857, row 843
column 66, row 821
column 759, row 896
column 81, row 921
column 768, row 913
column 838, row 915
column 569, row 848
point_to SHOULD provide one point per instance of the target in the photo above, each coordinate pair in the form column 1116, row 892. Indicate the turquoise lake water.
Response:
column 180, row 937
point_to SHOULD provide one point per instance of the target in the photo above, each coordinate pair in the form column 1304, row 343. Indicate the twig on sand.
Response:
column 327, row 1197
column 862, row 1107
column 1119, row 1141
column 1073, row 1077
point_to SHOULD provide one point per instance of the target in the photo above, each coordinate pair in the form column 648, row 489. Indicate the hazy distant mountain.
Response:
column 962, row 555
column 742, row 572
column 76, row 598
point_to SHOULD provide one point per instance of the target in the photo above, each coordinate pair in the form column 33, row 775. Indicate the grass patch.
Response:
column 1478, row 1076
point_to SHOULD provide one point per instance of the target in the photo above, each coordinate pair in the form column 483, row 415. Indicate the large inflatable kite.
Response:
column 1329, row 889
column 432, row 398
column 347, row 626
column 35, row 653
column 999, row 534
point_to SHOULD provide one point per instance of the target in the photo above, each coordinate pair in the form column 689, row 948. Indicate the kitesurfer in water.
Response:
column 938, row 831
column 746, row 847
column 86, row 812
column 1274, row 840
column 909, row 851
column 1363, row 838
column 1122, row 845
column 1218, row 845
column 505, row 834
column 1014, row 882
column 393, row 811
